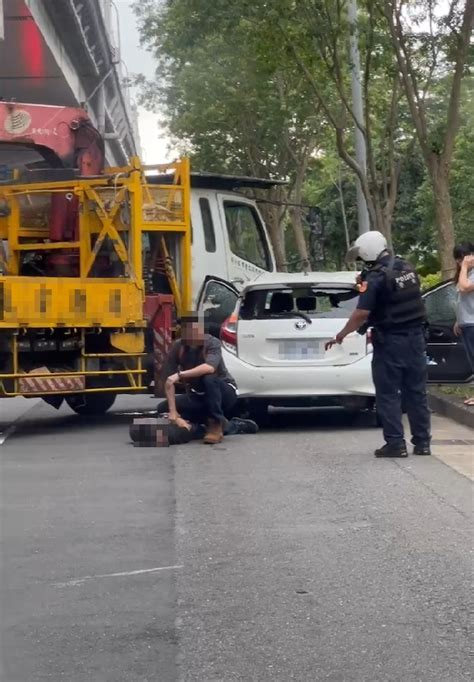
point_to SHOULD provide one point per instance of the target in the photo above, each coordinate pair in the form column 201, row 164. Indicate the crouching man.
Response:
column 195, row 361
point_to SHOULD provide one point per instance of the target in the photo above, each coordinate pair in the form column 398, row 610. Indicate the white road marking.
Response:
column 16, row 421
column 80, row 581
column 8, row 432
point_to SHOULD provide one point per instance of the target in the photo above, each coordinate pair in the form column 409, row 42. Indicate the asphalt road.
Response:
column 291, row 555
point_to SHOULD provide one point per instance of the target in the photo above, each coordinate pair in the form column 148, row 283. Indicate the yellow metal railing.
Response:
column 114, row 212
column 134, row 374
column 118, row 207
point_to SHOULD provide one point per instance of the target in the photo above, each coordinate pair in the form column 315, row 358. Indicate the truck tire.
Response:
column 89, row 404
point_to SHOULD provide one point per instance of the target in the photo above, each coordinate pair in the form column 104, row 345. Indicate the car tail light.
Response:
column 229, row 333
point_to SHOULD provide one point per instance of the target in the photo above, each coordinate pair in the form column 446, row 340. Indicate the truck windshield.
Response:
column 314, row 302
column 246, row 234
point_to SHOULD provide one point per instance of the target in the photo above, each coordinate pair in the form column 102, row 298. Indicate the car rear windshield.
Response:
column 315, row 302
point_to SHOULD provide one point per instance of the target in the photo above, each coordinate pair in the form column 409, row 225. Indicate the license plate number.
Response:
column 300, row 350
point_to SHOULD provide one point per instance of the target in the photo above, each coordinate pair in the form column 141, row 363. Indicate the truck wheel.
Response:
column 90, row 403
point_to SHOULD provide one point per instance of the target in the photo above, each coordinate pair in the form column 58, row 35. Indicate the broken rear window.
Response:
column 315, row 302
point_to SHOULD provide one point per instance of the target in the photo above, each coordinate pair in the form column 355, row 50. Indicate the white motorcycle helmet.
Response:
column 368, row 247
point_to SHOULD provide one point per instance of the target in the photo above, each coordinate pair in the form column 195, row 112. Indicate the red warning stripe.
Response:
column 52, row 384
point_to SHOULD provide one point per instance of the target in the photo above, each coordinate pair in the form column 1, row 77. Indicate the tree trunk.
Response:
column 343, row 210
column 439, row 173
column 381, row 224
column 295, row 215
column 273, row 218
column 300, row 239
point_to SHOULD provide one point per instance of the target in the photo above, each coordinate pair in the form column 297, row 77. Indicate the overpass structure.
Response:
column 67, row 52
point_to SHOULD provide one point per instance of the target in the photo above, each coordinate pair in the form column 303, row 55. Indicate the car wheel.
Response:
column 89, row 404
column 377, row 420
column 375, row 416
column 258, row 411
column 352, row 416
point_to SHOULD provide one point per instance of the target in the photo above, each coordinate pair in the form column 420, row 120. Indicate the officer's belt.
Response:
column 410, row 331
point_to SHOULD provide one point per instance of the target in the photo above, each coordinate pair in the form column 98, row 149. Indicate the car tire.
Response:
column 375, row 416
column 377, row 420
column 90, row 404
column 352, row 416
column 258, row 412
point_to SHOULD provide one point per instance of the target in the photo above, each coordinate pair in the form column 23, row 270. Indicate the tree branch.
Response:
column 329, row 40
column 392, row 16
column 452, row 122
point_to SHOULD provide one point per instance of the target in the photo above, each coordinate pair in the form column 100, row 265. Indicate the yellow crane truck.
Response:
column 95, row 263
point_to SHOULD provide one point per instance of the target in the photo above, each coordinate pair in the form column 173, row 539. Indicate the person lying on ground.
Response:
column 151, row 432
column 185, row 432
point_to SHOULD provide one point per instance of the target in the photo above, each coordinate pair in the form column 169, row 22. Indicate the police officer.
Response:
column 390, row 302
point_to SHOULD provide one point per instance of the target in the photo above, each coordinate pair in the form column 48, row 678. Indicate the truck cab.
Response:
column 230, row 242
column 229, row 237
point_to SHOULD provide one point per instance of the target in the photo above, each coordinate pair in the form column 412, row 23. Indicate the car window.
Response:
column 316, row 302
column 207, row 225
column 218, row 302
column 246, row 235
column 441, row 306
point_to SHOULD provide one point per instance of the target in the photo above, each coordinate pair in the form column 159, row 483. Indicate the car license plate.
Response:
column 300, row 350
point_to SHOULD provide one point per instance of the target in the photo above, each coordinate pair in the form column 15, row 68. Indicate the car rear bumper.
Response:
column 273, row 382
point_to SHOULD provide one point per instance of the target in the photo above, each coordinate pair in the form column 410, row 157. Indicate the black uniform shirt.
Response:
column 373, row 293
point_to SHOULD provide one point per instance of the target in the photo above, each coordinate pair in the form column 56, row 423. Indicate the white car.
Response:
column 274, row 342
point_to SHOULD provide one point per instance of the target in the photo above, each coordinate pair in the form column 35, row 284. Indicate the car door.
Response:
column 216, row 300
column 447, row 360
column 248, row 250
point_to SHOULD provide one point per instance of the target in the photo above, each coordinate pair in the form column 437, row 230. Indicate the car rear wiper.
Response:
column 294, row 313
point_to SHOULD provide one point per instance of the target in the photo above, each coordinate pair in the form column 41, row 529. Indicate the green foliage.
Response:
column 462, row 185
column 226, row 100
column 322, row 189
column 415, row 219
column 259, row 88
column 431, row 280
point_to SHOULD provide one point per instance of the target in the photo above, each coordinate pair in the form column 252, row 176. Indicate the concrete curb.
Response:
column 450, row 407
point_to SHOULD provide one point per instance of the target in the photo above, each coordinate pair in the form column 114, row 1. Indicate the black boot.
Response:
column 389, row 450
column 422, row 449
column 239, row 425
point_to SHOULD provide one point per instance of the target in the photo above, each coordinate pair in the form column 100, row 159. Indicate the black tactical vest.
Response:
column 400, row 303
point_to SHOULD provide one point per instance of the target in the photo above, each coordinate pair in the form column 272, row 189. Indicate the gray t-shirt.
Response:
column 182, row 357
column 465, row 306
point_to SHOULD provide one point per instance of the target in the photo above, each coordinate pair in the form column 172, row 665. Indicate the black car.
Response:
column 446, row 355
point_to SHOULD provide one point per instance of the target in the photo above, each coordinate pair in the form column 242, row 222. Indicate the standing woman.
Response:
column 464, row 279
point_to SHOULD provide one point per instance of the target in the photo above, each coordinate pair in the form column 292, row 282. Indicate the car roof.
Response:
column 282, row 280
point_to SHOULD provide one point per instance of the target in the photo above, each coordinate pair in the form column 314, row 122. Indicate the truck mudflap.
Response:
column 40, row 381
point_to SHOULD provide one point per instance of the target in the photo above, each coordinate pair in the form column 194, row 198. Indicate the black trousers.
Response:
column 217, row 402
column 468, row 341
column 399, row 371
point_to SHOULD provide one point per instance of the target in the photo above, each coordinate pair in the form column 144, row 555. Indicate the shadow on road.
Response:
column 297, row 419
column 71, row 422
column 279, row 419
